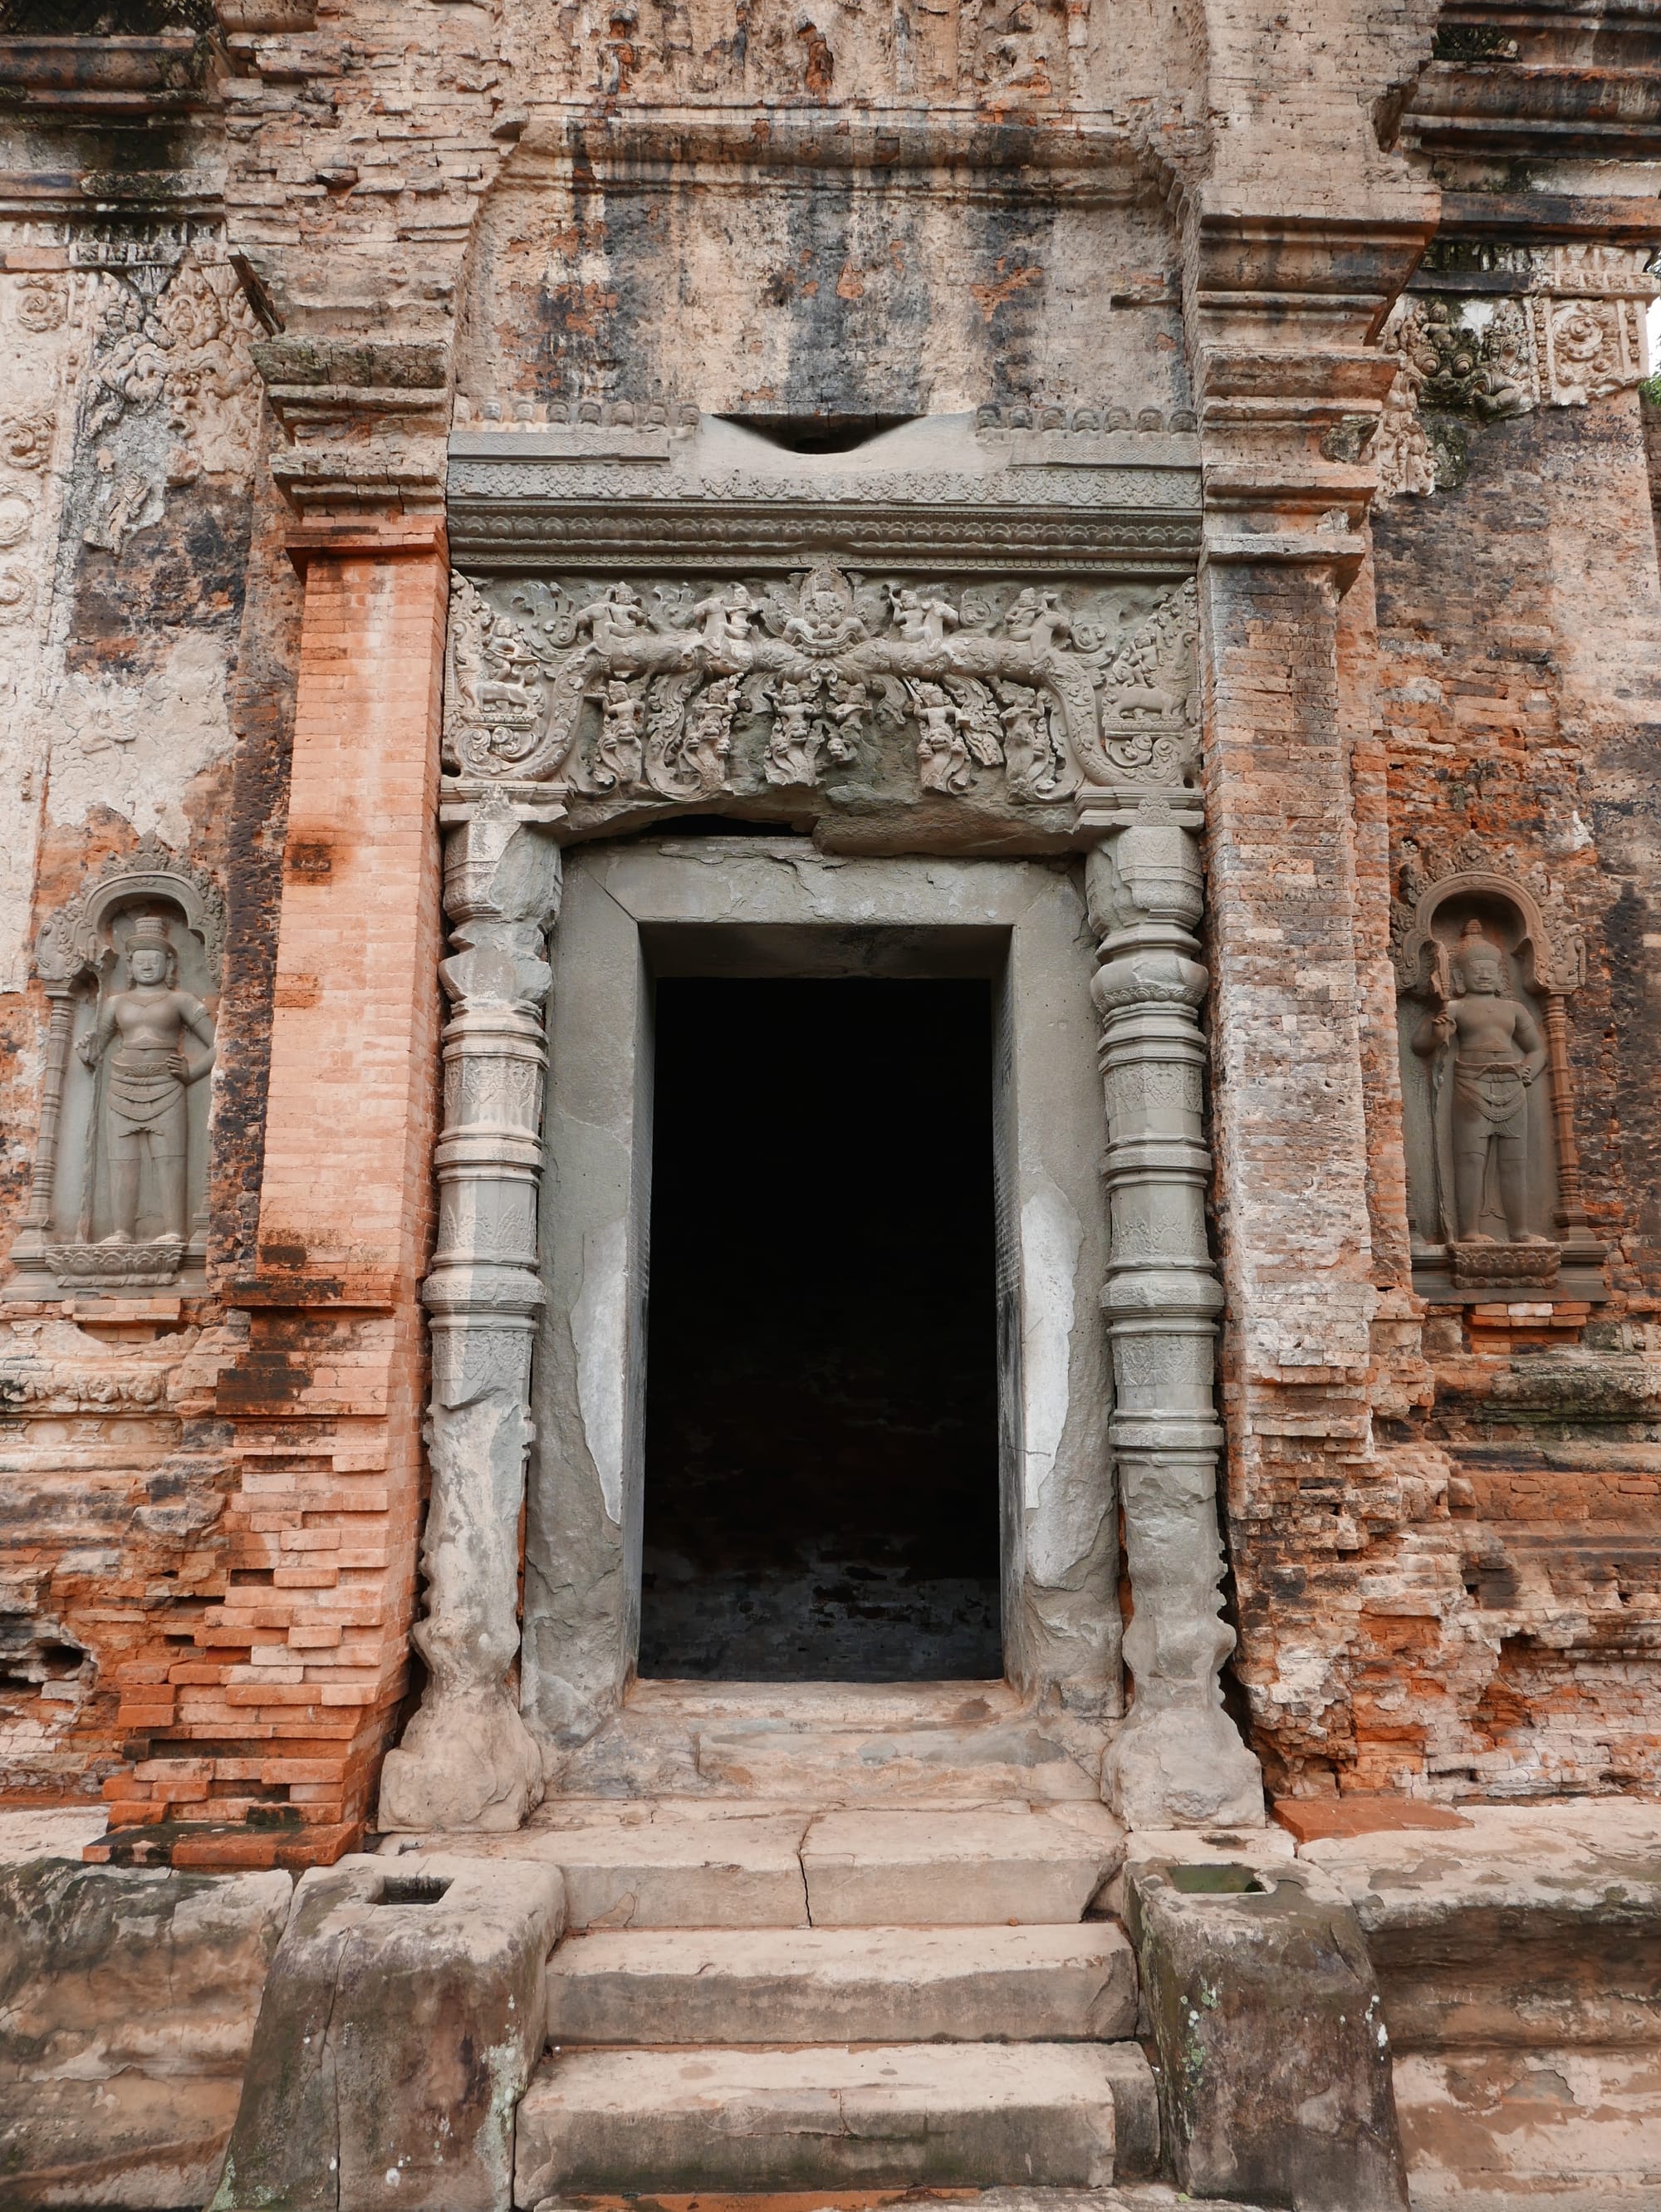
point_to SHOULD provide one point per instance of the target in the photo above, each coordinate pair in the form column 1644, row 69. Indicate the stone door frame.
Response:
column 748, row 906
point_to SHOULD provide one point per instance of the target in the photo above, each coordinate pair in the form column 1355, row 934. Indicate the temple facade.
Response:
column 830, row 979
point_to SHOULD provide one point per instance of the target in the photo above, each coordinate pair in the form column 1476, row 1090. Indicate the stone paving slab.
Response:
column 61, row 1833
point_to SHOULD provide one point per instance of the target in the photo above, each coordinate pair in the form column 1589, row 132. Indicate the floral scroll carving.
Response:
column 681, row 691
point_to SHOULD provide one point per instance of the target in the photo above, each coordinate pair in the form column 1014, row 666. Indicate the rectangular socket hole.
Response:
column 413, row 1888
column 1216, row 1881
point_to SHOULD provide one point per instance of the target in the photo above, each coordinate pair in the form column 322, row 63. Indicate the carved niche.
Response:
column 615, row 693
column 130, row 967
column 1485, row 967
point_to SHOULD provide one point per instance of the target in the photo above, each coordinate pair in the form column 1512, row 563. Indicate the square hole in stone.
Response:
column 413, row 1888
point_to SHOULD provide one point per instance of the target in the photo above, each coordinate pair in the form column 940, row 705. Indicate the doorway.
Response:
column 821, row 1457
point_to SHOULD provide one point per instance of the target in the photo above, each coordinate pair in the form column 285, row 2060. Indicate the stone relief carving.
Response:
column 117, row 1195
column 169, row 394
column 1485, row 966
column 1492, row 356
column 684, row 690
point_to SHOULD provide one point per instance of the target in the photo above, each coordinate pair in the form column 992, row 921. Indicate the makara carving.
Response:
column 1486, row 965
column 684, row 691
column 118, row 1197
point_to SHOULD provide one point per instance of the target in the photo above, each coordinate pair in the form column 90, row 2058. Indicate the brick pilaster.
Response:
column 261, row 1744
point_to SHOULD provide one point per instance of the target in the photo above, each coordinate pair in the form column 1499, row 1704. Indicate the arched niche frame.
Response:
column 81, row 957
column 1545, row 960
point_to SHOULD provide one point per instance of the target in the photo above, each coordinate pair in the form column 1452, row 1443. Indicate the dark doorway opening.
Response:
column 822, row 1487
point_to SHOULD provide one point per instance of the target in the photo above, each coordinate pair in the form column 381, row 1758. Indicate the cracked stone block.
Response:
column 405, row 2011
column 1274, row 2063
column 127, row 1997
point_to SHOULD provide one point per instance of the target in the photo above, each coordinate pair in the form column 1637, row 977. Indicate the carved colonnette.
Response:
column 823, row 671
column 1179, row 1760
column 468, row 1759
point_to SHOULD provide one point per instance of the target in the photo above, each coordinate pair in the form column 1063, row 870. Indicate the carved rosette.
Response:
column 1178, row 1761
column 468, row 1760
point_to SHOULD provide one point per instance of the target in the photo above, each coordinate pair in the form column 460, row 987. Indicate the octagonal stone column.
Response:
column 1178, row 1761
column 468, row 1760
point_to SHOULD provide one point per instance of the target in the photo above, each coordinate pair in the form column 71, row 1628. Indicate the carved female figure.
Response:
column 141, row 1038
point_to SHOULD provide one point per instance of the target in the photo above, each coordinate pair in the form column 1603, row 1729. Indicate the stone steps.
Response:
column 766, row 1997
column 1041, row 1985
column 836, row 2116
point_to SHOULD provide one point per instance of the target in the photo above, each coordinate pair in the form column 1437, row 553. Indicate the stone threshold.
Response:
column 837, row 1743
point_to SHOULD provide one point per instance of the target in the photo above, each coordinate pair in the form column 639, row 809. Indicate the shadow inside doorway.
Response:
column 822, row 1480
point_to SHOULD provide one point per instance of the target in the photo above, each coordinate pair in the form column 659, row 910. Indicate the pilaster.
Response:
column 296, row 1678
column 1285, row 311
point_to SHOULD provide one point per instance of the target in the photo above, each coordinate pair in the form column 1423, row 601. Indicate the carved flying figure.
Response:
column 920, row 620
column 615, row 619
column 1037, row 619
column 724, row 619
column 141, row 1123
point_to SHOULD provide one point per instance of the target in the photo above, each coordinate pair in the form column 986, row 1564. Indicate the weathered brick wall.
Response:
column 1483, row 1610
column 127, row 482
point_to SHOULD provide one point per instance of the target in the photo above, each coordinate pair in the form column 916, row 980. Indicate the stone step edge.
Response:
column 1122, row 2197
column 1129, row 2084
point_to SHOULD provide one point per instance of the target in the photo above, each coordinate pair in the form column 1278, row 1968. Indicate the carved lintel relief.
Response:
column 1179, row 1760
column 467, row 1759
column 613, row 692
column 1486, row 966
column 130, row 967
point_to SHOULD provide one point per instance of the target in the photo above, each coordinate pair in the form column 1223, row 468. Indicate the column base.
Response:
column 1182, row 1768
column 467, row 1761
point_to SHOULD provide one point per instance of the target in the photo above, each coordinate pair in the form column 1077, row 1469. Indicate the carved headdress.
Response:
column 1474, row 941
